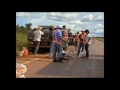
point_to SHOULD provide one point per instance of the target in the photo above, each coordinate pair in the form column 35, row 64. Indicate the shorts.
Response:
column 64, row 43
column 76, row 43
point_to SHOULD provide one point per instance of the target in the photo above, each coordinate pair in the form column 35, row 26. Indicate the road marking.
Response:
column 30, row 61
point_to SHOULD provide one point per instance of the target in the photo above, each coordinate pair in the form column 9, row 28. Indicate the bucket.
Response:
column 63, row 54
column 26, row 52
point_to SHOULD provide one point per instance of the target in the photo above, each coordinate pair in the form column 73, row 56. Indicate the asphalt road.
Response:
column 92, row 67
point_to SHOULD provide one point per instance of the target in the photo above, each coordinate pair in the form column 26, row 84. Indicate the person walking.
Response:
column 37, row 39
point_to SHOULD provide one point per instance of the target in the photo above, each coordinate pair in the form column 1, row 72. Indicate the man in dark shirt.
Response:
column 50, row 33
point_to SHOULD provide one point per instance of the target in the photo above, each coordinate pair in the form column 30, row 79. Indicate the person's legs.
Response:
column 37, row 43
column 82, row 44
column 54, row 51
column 87, row 50
column 67, row 44
column 76, row 45
column 63, row 49
column 59, row 49
column 79, row 47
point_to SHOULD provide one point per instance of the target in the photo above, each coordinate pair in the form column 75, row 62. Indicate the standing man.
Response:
column 57, row 37
column 65, row 36
column 51, row 40
column 37, row 39
column 76, row 39
column 52, row 45
column 81, row 42
column 87, row 42
column 51, row 31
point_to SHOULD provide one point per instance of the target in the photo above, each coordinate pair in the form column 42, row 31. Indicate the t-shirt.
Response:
column 37, row 35
column 57, row 34
column 65, row 33
column 76, row 38
column 82, row 38
column 87, row 38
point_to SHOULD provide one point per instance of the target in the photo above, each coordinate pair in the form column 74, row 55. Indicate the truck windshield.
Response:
column 45, row 36
column 46, row 33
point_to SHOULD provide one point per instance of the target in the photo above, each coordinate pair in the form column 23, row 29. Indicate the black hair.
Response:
column 64, row 26
column 87, row 30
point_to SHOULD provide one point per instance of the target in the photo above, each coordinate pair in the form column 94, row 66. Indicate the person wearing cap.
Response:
column 37, row 39
column 52, row 43
column 87, row 42
column 65, row 35
column 76, row 39
column 57, row 37
column 81, row 42
column 51, row 30
column 51, row 39
column 65, row 43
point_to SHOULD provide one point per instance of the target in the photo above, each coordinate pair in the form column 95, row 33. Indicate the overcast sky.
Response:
column 77, row 21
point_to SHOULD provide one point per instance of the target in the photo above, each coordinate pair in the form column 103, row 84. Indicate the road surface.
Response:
column 92, row 67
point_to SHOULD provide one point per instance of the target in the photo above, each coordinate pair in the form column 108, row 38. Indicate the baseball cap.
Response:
column 60, row 26
column 83, row 31
column 52, row 25
column 56, row 27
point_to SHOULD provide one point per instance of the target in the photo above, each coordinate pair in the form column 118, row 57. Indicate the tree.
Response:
column 34, row 28
column 28, row 26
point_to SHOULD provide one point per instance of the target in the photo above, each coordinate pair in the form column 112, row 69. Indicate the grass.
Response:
column 100, row 39
column 21, row 41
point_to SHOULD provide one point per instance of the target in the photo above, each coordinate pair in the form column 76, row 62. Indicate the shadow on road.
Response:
column 74, row 67
column 43, row 51
column 93, row 55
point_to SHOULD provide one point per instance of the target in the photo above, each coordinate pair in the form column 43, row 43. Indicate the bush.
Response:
column 21, row 41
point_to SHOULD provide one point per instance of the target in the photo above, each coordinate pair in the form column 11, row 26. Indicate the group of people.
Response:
column 59, row 41
column 82, row 40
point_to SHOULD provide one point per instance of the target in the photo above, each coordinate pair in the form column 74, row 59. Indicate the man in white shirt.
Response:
column 87, row 42
column 37, row 39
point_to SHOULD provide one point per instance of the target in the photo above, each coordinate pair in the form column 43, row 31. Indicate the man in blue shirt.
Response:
column 57, row 37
